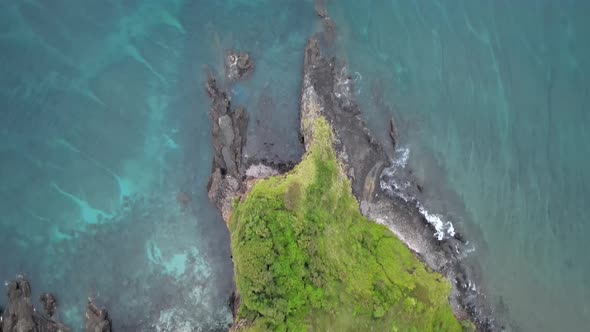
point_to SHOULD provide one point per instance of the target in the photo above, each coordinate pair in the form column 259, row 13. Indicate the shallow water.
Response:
column 491, row 100
column 104, row 134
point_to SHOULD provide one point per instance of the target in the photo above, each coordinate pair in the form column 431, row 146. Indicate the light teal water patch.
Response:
column 491, row 100
column 88, row 137
column 88, row 214
column 106, row 123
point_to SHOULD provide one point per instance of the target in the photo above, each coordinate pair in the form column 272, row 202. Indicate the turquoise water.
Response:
column 491, row 98
column 104, row 124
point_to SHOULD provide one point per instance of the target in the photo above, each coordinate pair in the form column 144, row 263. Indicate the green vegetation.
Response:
column 306, row 259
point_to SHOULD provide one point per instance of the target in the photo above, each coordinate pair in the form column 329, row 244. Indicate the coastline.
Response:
column 327, row 87
column 365, row 159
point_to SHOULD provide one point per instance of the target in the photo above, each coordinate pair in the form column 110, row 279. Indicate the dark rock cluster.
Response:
column 238, row 66
column 21, row 316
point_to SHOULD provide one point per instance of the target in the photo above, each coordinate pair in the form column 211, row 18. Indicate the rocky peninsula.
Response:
column 320, row 245
column 324, row 244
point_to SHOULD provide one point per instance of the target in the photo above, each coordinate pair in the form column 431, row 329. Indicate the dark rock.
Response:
column 97, row 319
column 228, row 135
column 234, row 302
column 49, row 304
column 320, row 8
column 393, row 135
column 278, row 165
column 460, row 237
column 238, row 66
column 20, row 316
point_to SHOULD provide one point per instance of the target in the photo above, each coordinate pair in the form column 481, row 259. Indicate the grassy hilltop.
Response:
column 306, row 259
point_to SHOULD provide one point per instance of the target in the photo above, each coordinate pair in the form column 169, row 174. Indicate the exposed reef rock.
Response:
column 238, row 66
column 49, row 304
column 20, row 316
column 228, row 134
column 97, row 319
column 327, row 88
column 392, row 132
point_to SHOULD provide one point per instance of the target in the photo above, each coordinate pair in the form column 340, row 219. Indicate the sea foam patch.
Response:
column 397, row 180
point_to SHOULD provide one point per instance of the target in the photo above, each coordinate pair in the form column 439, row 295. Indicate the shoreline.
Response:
column 365, row 159
column 325, row 84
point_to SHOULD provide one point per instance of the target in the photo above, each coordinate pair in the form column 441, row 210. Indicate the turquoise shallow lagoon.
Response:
column 104, row 133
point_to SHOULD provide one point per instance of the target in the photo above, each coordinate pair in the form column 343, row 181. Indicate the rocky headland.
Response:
column 327, row 94
column 321, row 244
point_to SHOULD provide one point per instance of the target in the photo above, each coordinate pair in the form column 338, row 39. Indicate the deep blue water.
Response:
column 103, row 123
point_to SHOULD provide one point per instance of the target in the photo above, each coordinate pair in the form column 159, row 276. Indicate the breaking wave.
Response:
column 398, row 180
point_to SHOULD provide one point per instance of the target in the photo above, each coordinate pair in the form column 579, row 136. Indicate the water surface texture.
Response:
column 491, row 100
column 105, row 148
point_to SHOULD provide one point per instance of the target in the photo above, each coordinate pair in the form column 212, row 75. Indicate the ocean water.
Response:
column 104, row 133
column 105, row 148
column 491, row 102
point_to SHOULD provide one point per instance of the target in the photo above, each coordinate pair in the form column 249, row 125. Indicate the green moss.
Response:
column 306, row 259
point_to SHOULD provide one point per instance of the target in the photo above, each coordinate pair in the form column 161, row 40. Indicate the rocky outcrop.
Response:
column 238, row 66
column 21, row 316
column 327, row 90
column 228, row 134
column 97, row 319
column 49, row 304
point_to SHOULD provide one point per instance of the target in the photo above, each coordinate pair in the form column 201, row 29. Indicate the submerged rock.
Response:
column 238, row 66
column 320, row 8
column 21, row 316
column 328, row 33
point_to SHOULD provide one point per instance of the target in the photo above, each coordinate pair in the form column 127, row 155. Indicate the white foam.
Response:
column 392, row 183
column 442, row 227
